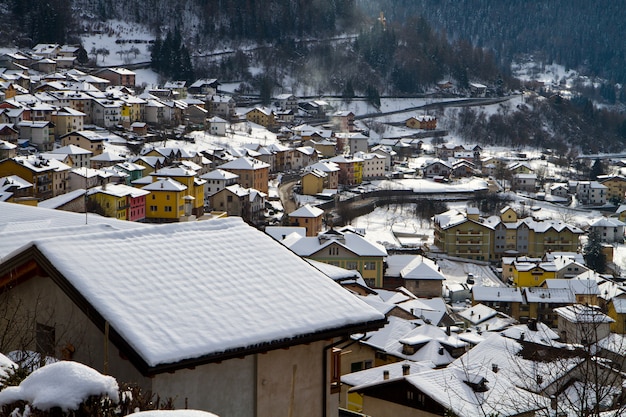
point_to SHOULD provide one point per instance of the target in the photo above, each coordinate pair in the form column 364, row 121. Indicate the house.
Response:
column 167, row 201
column 9, row 133
column 507, row 300
column 542, row 303
column 85, row 139
column 524, row 182
column 39, row 133
column 262, row 116
column 346, row 249
column 196, row 116
column 252, row 173
column 119, row 201
column 421, row 122
column 582, row 324
column 343, row 121
column 15, row 189
column 287, row 102
column 67, row 120
column 416, row 273
column 302, row 156
column 350, row 169
column 352, row 401
column 194, row 194
column 387, row 152
column 309, row 217
column 463, row 234
column 591, row 193
column 85, row 178
column 436, row 168
column 477, row 89
column 7, row 150
column 222, row 106
column 373, row 165
column 217, row 180
column 616, row 187
column 204, row 86
column 235, row 200
column 249, row 344
column 330, row 169
column 313, row 182
column 609, row 230
column 105, row 159
column 34, row 169
column 457, row 390
column 118, row 76
column 217, row 126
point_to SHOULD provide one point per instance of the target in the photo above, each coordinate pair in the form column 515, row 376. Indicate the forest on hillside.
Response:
column 579, row 34
column 335, row 47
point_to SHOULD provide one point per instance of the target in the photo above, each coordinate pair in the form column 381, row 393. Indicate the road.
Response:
column 285, row 193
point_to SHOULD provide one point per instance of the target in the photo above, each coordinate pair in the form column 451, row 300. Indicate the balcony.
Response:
column 468, row 242
column 470, row 233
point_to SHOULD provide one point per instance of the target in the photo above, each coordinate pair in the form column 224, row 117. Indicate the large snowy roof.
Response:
column 219, row 303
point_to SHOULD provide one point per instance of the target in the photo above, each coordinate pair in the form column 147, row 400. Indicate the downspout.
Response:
column 325, row 367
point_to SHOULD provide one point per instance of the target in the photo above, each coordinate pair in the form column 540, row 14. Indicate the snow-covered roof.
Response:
column 478, row 313
column 61, row 199
column 218, row 301
column 353, row 242
column 245, row 163
column 307, row 210
column 413, row 267
column 497, row 294
column 376, row 374
column 579, row 313
column 549, row 295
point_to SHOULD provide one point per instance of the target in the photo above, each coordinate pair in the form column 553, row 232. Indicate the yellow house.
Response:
column 358, row 170
column 193, row 184
column 463, row 235
column 345, row 249
column 166, row 202
column 39, row 172
column 262, row 116
column 616, row 186
column 308, row 217
column 67, row 120
column 617, row 311
column 467, row 235
column 530, row 274
column 313, row 182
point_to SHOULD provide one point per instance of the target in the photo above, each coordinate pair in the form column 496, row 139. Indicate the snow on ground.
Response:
column 63, row 384
column 126, row 42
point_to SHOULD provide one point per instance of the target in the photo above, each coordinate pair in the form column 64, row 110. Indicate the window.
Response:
column 167, row 197
column 153, row 208
column 229, row 198
column 351, row 265
column 370, row 266
column 45, row 339
column 168, row 209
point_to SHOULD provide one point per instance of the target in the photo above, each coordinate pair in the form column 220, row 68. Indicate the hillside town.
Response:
column 190, row 241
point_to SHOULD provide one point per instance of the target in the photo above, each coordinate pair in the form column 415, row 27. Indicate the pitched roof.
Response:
column 219, row 304
column 307, row 210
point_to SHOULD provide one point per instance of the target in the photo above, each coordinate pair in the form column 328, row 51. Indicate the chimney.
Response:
column 448, row 330
column 385, row 375
column 539, row 380
column 406, row 369
column 441, row 351
column 494, row 368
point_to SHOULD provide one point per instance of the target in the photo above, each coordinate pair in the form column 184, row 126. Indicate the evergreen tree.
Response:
column 155, row 55
column 596, row 170
column 594, row 257
column 348, row 91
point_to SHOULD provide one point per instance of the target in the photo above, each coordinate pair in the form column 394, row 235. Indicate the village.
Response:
column 175, row 239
